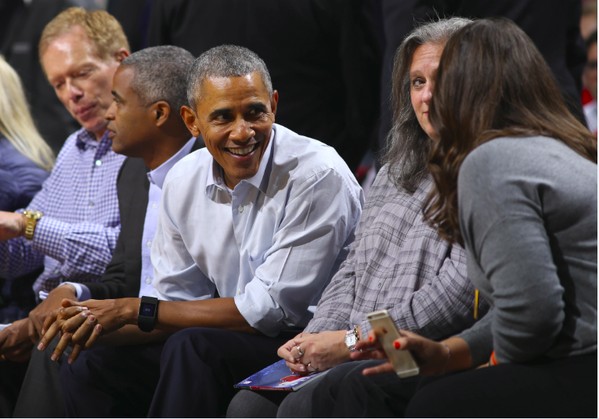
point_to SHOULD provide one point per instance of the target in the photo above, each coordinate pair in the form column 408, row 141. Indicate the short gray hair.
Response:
column 160, row 74
column 408, row 145
column 225, row 61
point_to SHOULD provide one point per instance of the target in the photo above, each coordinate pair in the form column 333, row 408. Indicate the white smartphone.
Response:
column 386, row 332
column 4, row 326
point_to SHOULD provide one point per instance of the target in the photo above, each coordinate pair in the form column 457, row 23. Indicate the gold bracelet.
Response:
column 31, row 219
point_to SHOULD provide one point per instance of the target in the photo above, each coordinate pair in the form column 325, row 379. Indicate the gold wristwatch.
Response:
column 31, row 219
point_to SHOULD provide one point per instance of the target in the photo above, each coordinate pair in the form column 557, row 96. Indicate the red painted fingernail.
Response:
column 396, row 344
column 370, row 338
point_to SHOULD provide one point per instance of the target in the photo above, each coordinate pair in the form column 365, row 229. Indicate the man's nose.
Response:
column 242, row 131
column 73, row 90
column 109, row 115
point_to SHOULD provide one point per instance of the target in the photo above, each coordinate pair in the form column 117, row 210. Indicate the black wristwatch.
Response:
column 148, row 313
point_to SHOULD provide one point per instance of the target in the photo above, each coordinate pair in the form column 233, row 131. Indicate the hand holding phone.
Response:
column 386, row 332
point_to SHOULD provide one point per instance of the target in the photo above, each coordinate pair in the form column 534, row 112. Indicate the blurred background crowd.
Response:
column 330, row 60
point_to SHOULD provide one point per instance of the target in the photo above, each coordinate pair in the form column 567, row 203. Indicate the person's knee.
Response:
column 250, row 404
column 297, row 405
column 194, row 343
column 78, row 371
column 182, row 337
column 192, row 336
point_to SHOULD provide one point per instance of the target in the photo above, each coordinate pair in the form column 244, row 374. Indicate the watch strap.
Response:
column 31, row 219
column 148, row 313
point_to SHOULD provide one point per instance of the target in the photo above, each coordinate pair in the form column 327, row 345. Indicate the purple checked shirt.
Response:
column 75, row 238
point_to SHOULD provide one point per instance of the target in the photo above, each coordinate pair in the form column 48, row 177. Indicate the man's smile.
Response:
column 243, row 151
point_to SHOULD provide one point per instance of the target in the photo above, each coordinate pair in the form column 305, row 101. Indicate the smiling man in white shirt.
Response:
column 250, row 232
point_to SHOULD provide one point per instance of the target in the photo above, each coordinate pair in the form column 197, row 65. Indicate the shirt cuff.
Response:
column 260, row 310
column 82, row 291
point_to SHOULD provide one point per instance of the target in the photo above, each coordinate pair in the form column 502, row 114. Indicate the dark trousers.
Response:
column 560, row 388
column 199, row 367
column 11, row 376
column 345, row 392
column 270, row 404
column 111, row 381
column 41, row 392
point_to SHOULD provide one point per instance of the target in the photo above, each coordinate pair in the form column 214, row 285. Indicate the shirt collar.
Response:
column 86, row 140
column 157, row 175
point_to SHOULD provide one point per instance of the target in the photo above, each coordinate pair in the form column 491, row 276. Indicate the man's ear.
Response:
column 161, row 111
column 274, row 100
column 190, row 119
column 121, row 54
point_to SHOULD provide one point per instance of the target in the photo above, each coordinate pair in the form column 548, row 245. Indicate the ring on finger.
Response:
column 310, row 368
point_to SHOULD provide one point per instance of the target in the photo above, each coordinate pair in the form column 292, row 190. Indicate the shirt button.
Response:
column 98, row 163
column 149, row 243
column 148, row 280
column 240, row 209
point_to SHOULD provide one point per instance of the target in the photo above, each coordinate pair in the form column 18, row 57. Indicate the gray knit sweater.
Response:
column 528, row 215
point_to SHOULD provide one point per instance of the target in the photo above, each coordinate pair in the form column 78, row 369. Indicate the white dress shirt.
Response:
column 272, row 243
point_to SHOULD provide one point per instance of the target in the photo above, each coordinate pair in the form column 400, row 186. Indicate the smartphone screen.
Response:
column 386, row 332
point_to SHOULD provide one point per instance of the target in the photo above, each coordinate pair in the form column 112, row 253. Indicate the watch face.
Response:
column 350, row 340
column 147, row 309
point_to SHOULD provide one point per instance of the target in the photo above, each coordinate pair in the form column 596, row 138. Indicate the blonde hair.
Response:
column 16, row 123
column 103, row 30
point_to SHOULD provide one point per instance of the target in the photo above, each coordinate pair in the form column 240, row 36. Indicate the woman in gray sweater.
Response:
column 516, row 176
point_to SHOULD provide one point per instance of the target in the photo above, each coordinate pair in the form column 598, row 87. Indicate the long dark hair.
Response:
column 491, row 82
